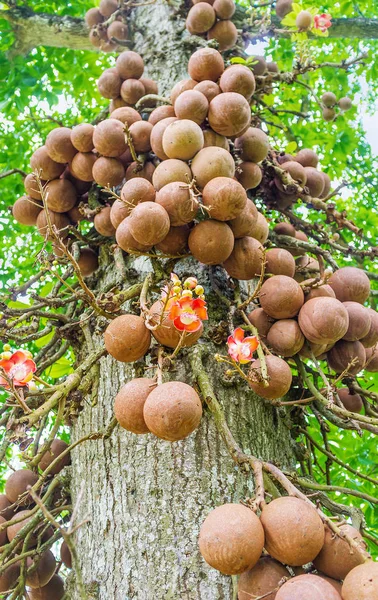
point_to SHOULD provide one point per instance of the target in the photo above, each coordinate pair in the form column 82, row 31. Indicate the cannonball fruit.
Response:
column 59, row 145
column 263, row 578
column 294, row 532
column 56, row 448
column 127, row 338
column 229, row 114
column 65, row 555
column 102, row 222
column 245, row 223
column 359, row 321
column 279, row 262
column 281, row 297
column 323, row 320
column 166, row 333
column 211, row 242
column 172, row 411
column 149, row 223
column 171, row 170
column 337, row 557
column 261, row 321
column 347, row 355
column 231, row 539
column 18, row 483
column 225, row 33
column 129, row 404
column 182, row 139
column 26, row 210
column 361, row 582
column 54, row 589
column 239, row 79
column 350, row 285
column 285, row 337
column 224, row 197
column 176, row 199
column 253, row 145
column 44, row 571
column 279, row 378
column 212, row 162
column 245, row 260
column 351, row 401
column 307, row 587
column 205, row 63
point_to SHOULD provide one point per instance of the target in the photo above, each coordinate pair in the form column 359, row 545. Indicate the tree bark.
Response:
column 147, row 498
column 33, row 29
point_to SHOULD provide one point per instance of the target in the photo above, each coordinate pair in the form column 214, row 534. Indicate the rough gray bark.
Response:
column 147, row 498
column 41, row 29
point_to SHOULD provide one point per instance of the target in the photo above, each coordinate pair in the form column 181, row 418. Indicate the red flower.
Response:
column 322, row 22
column 188, row 313
column 18, row 367
column 240, row 348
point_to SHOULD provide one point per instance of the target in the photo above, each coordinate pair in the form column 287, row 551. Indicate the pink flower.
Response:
column 240, row 348
column 187, row 313
column 322, row 22
column 18, row 367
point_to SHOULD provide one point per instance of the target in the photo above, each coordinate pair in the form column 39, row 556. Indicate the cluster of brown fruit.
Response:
column 108, row 25
column 304, row 173
column 212, row 17
column 330, row 104
column 329, row 322
column 232, row 539
column 16, row 503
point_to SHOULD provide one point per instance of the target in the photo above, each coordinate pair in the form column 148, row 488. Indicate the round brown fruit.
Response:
column 129, row 404
column 224, row 9
column 304, row 20
column 53, row 590
column 259, row 66
column 180, row 87
column 211, row 162
column 307, row 158
column 225, row 33
column 182, row 139
column 245, row 223
column 249, row 174
column 345, row 103
column 229, row 114
column 130, row 65
column 160, row 113
column 260, row 230
column 283, row 7
column 14, row 529
column 109, row 84
column 263, row 578
column 176, row 241
column 169, row 171
column 126, row 114
column 172, row 411
column 118, row 30
column 309, row 587
column 149, row 223
column 359, row 321
column 372, row 337
column 279, row 262
column 126, row 241
column 361, row 582
column 65, row 555
column 108, row 7
column 214, row 139
column 280, row 378
column 352, row 402
column 88, row 261
column 328, row 114
column 231, row 539
column 82, row 137
column 133, row 192
column 208, row 88
column 59, row 146
column 329, row 99
column 322, row 290
column 151, row 87
column 296, row 171
column 26, row 210
column 206, row 63
column 44, row 571
column 253, row 145
column 371, row 365
column 314, row 181
column 166, row 333
column 58, row 221
column 157, row 137
column 245, row 260
column 6, row 512
column 108, row 172
column 192, row 105
column 337, row 557
column 9, row 577
column 176, row 199
column 44, row 166
column 140, row 132
column 109, row 138
column 350, row 284
column 285, row 337
column 239, row 79
column 224, row 197
column 56, row 448
column 211, row 242
column 323, row 320
column 17, row 484
column 93, row 17
column 127, row 338
column 343, row 353
column 132, row 90
column 284, row 229
column 337, row 585
column 32, row 187
column 281, row 297
column 261, row 321
column 82, row 165
column 201, row 17
column 103, row 224
column 135, row 170
column 294, row 532
column 61, row 195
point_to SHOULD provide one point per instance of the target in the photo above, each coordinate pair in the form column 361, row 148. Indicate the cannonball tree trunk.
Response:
column 146, row 498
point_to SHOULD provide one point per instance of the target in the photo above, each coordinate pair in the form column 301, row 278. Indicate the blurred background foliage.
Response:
column 53, row 86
